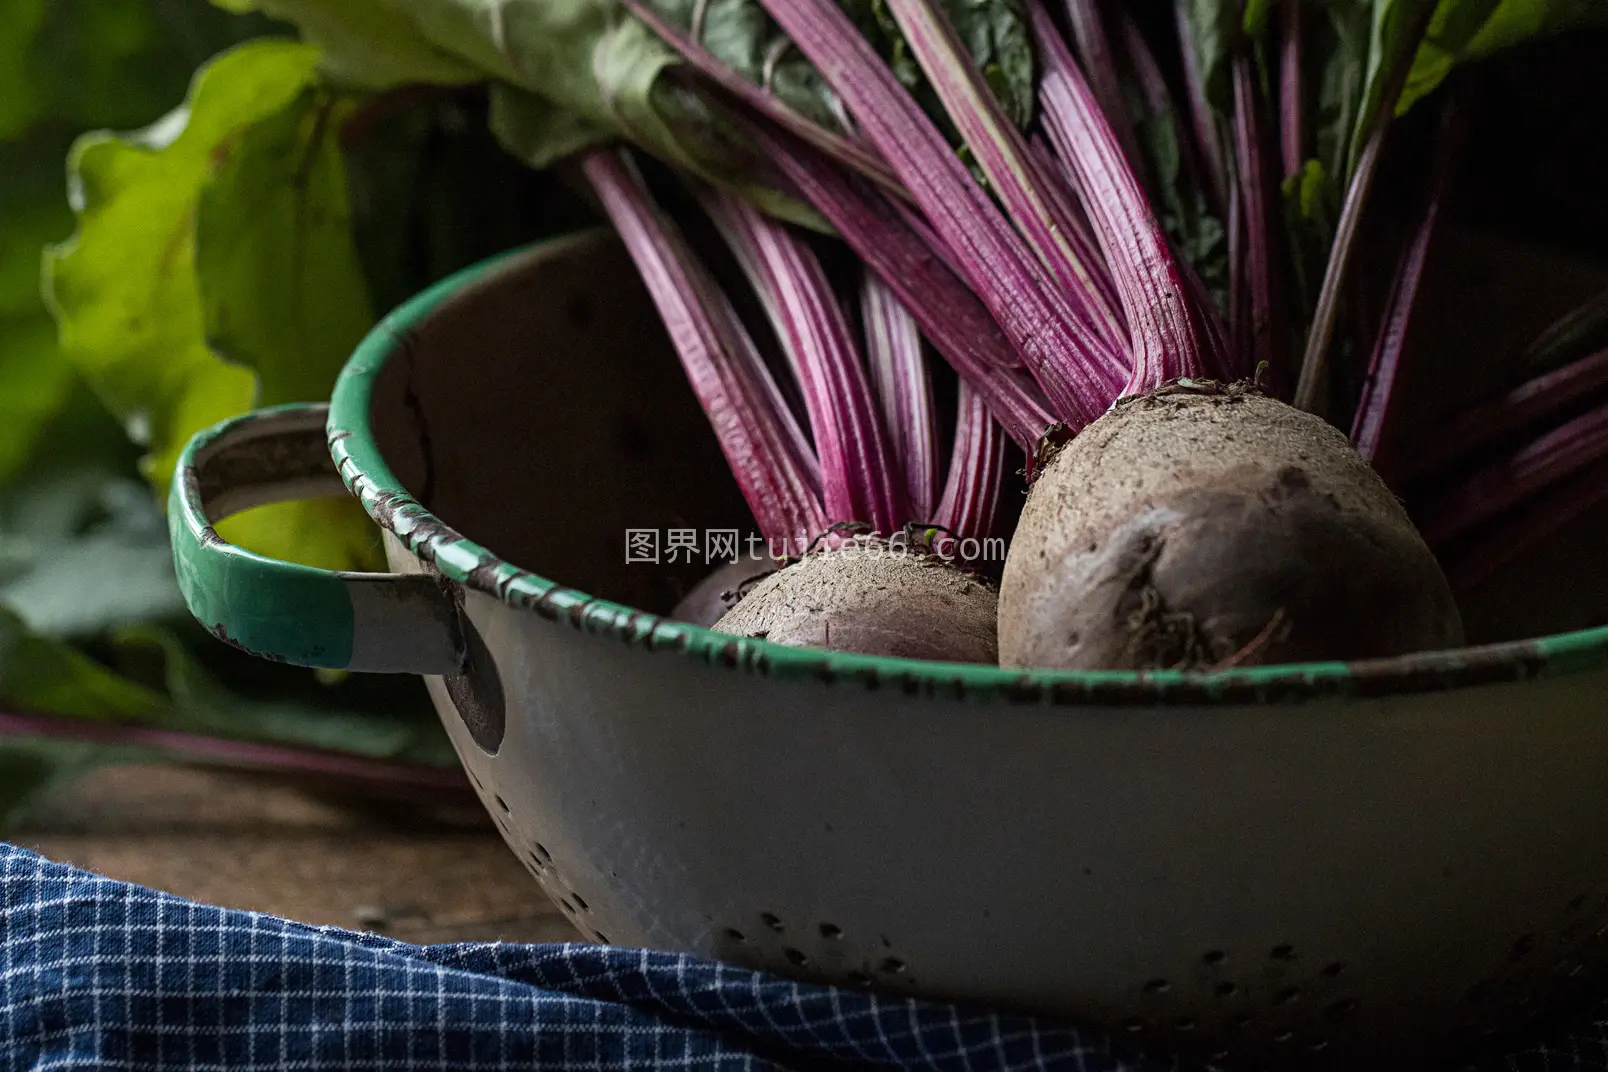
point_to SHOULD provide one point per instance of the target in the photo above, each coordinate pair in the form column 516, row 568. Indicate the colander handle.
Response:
column 381, row 622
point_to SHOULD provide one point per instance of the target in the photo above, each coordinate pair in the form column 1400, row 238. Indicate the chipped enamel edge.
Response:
column 284, row 611
column 367, row 476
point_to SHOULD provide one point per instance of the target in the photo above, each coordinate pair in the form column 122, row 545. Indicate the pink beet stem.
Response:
column 1161, row 314
column 724, row 367
column 1292, row 104
column 1522, row 407
column 970, row 506
column 378, row 775
column 1068, row 206
column 904, row 389
column 1100, row 65
column 858, row 477
column 1009, row 281
column 1014, row 175
column 950, row 314
column 1259, row 216
column 1371, row 429
column 1521, row 530
column 1532, row 468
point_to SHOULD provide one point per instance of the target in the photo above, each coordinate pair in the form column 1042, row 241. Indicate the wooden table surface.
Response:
column 441, row 875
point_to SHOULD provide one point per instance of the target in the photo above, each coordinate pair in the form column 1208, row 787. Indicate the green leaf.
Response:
column 367, row 44
column 282, row 291
column 34, row 378
column 1215, row 25
column 85, row 550
column 1338, row 49
column 570, row 73
column 1459, row 31
column 1255, row 18
column 130, row 304
column 1467, row 30
column 43, row 676
column 1516, row 21
column 20, row 102
column 83, row 63
column 1311, row 209
column 536, row 130
column 34, row 381
column 1391, row 23
column 205, row 706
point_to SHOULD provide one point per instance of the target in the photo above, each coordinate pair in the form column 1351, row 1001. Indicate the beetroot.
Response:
column 875, row 601
column 1202, row 526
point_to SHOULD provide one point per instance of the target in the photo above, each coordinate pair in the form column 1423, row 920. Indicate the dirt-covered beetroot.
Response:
column 873, row 601
column 1205, row 526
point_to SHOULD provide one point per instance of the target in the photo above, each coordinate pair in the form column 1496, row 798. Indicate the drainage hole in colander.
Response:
column 1227, row 990
column 795, row 957
column 569, row 909
column 859, row 978
column 1284, row 1036
column 1523, row 947
column 1343, row 1007
column 600, row 936
column 1242, row 1021
column 541, row 852
column 1318, row 1045
column 1157, row 986
column 502, row 804
column 1213, row 957
column 1134, row 1027
column 1184, row 1025
column 535, row 861
column 893, row 966
column 580, row 902
column 1332, row 970
column 831, row 931
column 1287, row 995
column 773, row 921
column 1282, row 952
column 736, row 935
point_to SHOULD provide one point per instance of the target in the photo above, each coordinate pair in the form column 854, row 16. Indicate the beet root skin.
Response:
column 1207, row 526
column 871, row 600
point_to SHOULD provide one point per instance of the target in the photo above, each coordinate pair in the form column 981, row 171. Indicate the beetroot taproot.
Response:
column 1205, row 526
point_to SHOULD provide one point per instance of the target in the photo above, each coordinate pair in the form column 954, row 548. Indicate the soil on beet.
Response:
column 873, row 601
column 1210, row 526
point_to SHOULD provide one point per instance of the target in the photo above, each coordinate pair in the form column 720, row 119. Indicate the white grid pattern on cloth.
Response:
column 97, row 974
column 101, row 975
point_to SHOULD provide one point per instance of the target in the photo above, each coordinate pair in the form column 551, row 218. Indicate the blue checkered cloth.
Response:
column 98, row 974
